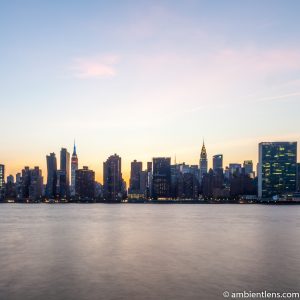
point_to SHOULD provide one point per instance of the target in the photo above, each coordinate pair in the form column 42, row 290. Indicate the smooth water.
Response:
column 144, row 251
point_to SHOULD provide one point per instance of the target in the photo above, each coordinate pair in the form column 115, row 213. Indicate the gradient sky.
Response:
column 146, row 78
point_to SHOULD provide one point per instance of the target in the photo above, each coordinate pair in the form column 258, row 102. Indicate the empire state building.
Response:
column 74, row 167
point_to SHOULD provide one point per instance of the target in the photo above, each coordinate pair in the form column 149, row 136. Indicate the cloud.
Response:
column 95, row 67
column 280, row 97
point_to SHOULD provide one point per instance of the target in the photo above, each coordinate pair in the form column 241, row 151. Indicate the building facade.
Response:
column 218, row 163
column 277, row 169
column 161, row 178
column 203, row 162
column 85, row 184
column 135, row 177
column 112, row 178
column 74, row 168
column 51, row 175
column 2, row 176
column 64, row 179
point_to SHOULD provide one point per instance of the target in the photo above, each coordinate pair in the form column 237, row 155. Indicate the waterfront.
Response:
column 110, row 251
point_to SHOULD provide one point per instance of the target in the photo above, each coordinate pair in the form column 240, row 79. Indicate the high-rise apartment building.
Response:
column 64, row 180
column 85, row 184
column 51, row 175
column 135, row 174
column 112, row 178
column 161, row 178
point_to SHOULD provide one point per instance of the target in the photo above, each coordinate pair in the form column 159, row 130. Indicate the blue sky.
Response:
column 147, row 78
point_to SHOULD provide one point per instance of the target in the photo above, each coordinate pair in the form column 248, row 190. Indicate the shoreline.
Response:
column 160, row 202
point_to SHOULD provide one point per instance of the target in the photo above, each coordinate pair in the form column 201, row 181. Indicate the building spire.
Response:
column 74, row 149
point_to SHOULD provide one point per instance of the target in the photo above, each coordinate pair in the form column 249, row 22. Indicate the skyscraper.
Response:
column 161, row 177
column 298, row 177
column 135, row 173
column 2, row 176
column 218, row 162
column 235, row 169
column 85, row 184
column 277, row 172
column 74, row 167
column 10, row 179
column 51, row 176
column 25, row 183
column 248, row 166
column 112, row 178
column 64, row 181
column 2, row 182
column 31, row 184
column 203, row 162
column 36, row 184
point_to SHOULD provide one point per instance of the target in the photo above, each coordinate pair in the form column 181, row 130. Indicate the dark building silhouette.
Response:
column 10, row 190
column 187, row 186
column 161, row 177
column 143, row 189
column 64, row 174
column 149, row 166
column 135, row 173
column 51, row 175
column 36, row 184
column 175, row 174
column 85, row 184
column 242, row 184
column 25, row 183
column 112, row 178
column 218, row 163
column 31, row 184
column 235, row 169
column 10, row 179
column 248, row 166
column 277, row 168
column 212, row 182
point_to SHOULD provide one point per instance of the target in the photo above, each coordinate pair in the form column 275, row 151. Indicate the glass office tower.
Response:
column 277, row 168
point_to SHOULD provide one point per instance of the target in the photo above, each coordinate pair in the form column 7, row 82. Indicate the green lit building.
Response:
column 277, row 169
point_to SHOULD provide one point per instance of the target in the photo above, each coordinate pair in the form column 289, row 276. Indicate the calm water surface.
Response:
column 140, row 251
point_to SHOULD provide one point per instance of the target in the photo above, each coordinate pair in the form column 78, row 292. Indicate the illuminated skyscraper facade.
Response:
column 277, row 171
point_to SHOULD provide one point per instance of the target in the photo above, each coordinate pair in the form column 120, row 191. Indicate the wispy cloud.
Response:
column 280, row 97
column 101, row 66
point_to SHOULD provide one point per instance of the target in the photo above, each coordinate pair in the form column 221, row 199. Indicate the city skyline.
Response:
column 127, row 168
column 147, row 79
column 277, row 176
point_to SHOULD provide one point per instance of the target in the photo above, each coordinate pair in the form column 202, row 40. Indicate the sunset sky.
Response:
column 146, row 78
